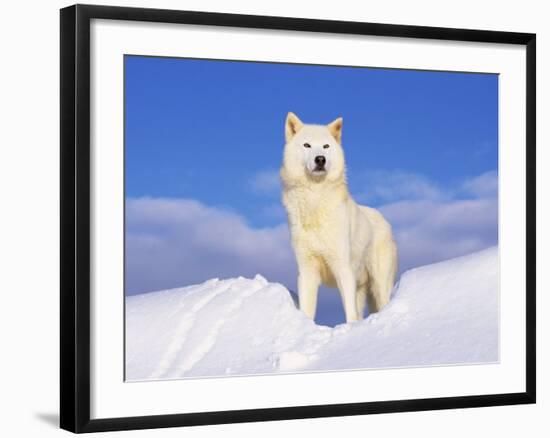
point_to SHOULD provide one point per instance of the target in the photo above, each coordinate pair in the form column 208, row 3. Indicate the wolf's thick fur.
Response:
column 336, row 241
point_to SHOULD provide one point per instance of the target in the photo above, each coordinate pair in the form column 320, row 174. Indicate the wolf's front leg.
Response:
column 347, row 287
column 308, row 288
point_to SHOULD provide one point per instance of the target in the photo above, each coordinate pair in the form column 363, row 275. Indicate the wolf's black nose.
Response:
column 320, row 160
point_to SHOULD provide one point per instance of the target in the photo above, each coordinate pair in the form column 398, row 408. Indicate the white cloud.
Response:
column 484, row 185
column 430, row 231
column 176, row 242
column 393, row 185
column 266, row 181
column 430, row 223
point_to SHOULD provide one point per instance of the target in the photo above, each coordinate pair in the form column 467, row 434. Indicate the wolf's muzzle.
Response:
column 320, row 162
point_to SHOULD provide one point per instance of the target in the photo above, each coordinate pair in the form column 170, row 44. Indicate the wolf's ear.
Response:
column 335, row 129
column 292, row 126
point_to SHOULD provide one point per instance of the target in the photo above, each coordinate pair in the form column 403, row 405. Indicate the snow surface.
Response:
column 445, row 313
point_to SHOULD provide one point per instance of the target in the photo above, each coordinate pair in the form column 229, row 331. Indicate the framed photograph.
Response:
column 269, row 218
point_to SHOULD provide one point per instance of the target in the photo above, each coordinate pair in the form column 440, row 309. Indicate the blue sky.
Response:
column 204, row 139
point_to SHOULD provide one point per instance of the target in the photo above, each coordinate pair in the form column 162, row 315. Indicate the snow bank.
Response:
column 446, row 313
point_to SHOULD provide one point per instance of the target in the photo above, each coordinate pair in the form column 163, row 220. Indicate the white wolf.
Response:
column 336, row 241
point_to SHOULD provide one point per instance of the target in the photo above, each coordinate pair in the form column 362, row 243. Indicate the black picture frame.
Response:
column 75, row 217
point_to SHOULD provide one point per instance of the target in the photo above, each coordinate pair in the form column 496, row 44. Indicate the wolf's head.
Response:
column 312, row 152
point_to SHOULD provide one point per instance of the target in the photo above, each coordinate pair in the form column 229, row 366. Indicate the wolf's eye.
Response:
column 325, row 146
column 307, row 145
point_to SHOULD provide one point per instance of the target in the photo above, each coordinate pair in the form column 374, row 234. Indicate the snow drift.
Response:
column 441, row 314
